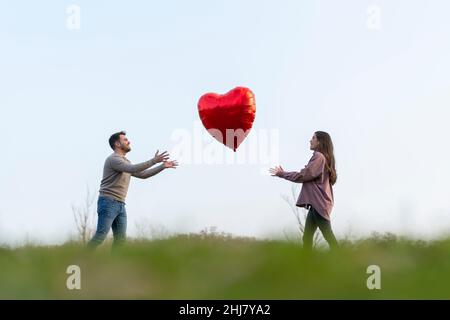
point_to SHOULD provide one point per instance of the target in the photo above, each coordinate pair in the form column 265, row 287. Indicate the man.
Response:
column 117, row 172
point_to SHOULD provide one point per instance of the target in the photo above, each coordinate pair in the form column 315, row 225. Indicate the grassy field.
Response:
column 196, row 267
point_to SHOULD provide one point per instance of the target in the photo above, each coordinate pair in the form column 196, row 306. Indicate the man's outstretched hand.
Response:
column 171, row 164
column 161, row 157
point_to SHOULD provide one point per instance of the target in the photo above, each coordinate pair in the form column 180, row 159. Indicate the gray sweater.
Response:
column 117, row 172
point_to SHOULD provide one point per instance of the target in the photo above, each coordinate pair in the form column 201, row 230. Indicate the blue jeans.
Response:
column 111, row 214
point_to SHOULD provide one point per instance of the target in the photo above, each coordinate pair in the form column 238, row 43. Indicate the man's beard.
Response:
column 126, row 149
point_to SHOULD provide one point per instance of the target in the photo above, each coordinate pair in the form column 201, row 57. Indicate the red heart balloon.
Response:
column 228, row 117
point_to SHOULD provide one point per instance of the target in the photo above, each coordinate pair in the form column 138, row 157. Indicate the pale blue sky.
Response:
column 141, row 66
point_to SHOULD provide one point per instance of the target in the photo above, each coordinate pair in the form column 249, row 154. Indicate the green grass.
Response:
column 196, row 267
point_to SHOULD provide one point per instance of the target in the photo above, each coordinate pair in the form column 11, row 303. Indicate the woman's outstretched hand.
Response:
column 276, row 171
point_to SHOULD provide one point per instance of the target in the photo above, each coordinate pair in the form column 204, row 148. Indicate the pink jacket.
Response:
column 316, row 190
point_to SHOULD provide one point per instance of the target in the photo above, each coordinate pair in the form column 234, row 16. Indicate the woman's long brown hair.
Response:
column 326, row 148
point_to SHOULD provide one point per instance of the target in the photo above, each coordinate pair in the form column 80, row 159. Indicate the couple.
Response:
column 317, row 177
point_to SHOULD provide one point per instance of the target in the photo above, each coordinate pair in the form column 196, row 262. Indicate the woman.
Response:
column 318, row 177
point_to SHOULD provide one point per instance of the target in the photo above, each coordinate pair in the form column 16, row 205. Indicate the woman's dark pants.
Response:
column 313, row 221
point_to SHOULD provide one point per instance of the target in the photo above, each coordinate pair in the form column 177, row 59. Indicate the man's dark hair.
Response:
column 115, row 137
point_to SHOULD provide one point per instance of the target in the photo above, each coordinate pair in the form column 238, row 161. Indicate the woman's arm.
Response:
column 312, row 170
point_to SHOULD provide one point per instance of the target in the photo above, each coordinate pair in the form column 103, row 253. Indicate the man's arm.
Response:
column 119, row 164
column 149, row 172
column 312, row 170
